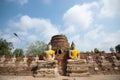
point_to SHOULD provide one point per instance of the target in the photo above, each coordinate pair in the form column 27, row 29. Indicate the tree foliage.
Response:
column 96, row 50
column 18, row 52
column 117, row 48
column 112, row 50
column 5, row 47
column 36, row 48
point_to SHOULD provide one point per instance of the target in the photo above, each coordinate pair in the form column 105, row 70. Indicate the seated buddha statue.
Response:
column 74, row 53
column 116, row 62
column 23, row 62
column 36, row 58
column 13, row 59
column 2, row 59
column 90, row 59
column 49, row 54
column 25, row 59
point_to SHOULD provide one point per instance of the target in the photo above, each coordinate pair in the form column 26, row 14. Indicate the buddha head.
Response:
column 49, row 47
column 72, row 46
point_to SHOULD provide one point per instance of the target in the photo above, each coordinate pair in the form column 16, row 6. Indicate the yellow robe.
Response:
column 74, row 53
column 50, row 53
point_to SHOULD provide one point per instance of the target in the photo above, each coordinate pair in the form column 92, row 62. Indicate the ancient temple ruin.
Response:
column 59, row 42
column 61, row 46
column 61, row 63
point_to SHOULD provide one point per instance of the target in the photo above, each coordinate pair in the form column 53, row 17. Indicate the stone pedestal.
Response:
column 77, row 68
column 46, row 69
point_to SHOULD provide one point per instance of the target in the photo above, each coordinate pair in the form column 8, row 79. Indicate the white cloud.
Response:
column 93, row 37
column 69, row 30
column 110, row 8
column 111, row 40
column 42, row 27
column 22, row 33
column 97, row 38
column 22, row 2
column 80, row 16
column 6, row 36
column 32, row 38
column 49, row 32
column 95, row 34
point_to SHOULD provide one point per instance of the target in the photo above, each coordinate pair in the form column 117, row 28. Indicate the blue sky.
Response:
column 89, row 23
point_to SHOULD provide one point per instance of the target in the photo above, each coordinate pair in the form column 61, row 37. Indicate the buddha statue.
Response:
column 49, row 54
column 36, row 58
column 90, row 59
column 103, row 58
column 114, row 58
column 13, row 59
column 116, row 62
column 23, row 63
column 2, row 59
column 105, row 64
column 25, row 59
column 74, row 53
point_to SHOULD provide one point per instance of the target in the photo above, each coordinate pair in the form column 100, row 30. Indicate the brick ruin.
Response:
column 89, row 64
column 61, row 46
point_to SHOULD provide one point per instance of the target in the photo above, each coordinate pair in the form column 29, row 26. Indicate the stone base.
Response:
column 46, row 69
column 77, row 68
column 10, row 65
column 45, row 73
column 79, row 61
column 79, row 74
column 22, row 64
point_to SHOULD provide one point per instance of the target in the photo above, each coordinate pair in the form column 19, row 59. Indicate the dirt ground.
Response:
column 92, row 77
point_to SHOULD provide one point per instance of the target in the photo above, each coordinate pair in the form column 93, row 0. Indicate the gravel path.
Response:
column 92, row 77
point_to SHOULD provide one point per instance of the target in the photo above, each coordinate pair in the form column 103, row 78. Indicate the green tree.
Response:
column 36, row 48
column 88, row 52
column 5, row 47
column 117, row 48
column 96, row 50
column 18, row 52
